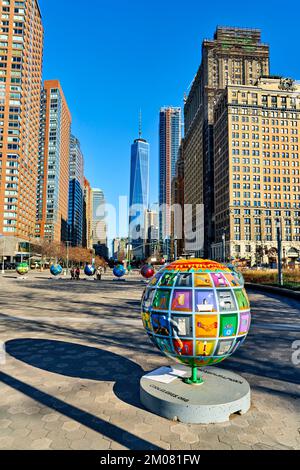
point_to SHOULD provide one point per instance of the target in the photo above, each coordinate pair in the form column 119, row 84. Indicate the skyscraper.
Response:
column 21, row 45
column 234, row 56
column 139, row 195
column 54, row 156
column 169, row 142
column 76, row 189
column 152, row 232
column 87, row 216
column 257, row 175
column 177, row 219
column 99, row 222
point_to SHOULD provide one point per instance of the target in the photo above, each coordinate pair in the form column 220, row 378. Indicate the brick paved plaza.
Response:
column 75, row 352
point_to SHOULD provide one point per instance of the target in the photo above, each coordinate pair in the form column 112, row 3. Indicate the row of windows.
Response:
column 274, row 130
column 276, row 204
column 257, row 161
column 259, row 195
column 268, row 213
column 267, row 238
column 265, row 147
column 255, row 169
column 257, row 221
column 246, row 143
column 255, row 112
column 267, row 187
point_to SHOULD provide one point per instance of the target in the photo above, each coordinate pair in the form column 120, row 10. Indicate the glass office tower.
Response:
column 139, row 195
column 76, row 188
column 169, row 142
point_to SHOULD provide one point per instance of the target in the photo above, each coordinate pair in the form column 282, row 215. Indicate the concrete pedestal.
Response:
column 222, row 394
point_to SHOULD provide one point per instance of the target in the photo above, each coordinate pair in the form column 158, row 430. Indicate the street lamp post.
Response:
column 129, row 248
column 68, row 244
column 224, row 247
column 279, row 249
column 29, row 248
column 175, row 249
column 3, row 255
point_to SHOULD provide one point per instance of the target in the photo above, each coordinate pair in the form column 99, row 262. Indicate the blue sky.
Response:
column 115, row 57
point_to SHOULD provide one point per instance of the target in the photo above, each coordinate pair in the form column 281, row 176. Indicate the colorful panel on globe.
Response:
column 205, row 301
column 182, row 300
column 196, row 311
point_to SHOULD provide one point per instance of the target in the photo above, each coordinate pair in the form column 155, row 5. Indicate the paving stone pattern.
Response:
column 75, row 352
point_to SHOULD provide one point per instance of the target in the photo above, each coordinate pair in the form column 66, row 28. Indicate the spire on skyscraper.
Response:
column 140, row 124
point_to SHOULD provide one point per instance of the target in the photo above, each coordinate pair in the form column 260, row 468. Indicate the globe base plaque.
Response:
column 221, row 394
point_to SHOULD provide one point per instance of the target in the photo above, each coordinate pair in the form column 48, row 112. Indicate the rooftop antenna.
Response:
column 140, row 124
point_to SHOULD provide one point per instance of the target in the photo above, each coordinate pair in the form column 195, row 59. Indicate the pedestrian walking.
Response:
column 99, row 273
column 72, row 274
column 77, row 274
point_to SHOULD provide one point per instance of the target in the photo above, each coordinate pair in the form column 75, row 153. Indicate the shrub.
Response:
column 290, row 278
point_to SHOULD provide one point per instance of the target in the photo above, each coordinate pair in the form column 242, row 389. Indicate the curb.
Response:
column 275, row 290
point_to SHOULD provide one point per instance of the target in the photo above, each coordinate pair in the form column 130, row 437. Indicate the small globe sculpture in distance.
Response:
column 147, row 271
column 89, row 270
column 56, row 269
column 196, row 312
column 22, row 269
column 119, row 271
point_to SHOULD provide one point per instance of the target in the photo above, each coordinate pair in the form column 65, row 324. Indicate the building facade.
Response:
column 177, row 218
column 257, row 171
column 76, row 193
column 234, row 56
column 99, row 228
column 54, row 156
column 87, row 231
column 21, row 51
column 138, row 195
column 119, row 249
column 169, row 142
column 152, row 233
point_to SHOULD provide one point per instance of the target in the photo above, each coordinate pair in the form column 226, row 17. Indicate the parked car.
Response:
column 9, row 266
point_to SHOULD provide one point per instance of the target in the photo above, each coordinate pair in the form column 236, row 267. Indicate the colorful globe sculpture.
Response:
column 56, row 269
column 147, row 271
column 22, row 268
column 196, row 312
column 89, row 270
column 119, row 271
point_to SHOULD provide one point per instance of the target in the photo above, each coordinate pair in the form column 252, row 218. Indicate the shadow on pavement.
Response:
column 64, row 285
column 78, row 361
column 104, row 428
column 83, row 362
column 120, row 336
column 260, row 357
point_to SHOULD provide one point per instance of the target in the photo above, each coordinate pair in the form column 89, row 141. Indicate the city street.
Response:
column 75, row 352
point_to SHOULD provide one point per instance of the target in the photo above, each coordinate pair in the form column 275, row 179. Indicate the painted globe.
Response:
column 89, row 270
column 56, row 269
column 119, row 271
column 22, row 268
column 196, row 312
column 147, row 271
